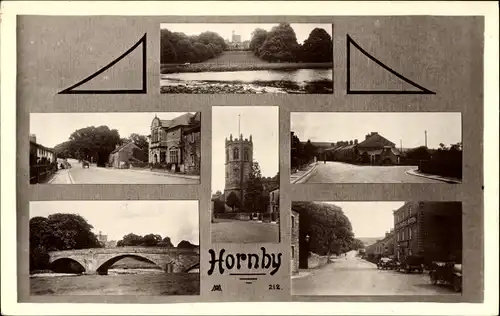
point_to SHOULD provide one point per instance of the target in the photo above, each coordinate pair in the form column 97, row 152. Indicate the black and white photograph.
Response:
column 115, row 148
column 114, row 248
column 237, row 58
column 376, row 248
column 370, row 147
column 245, row 174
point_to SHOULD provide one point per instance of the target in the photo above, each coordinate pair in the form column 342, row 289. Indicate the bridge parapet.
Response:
column 89, row 251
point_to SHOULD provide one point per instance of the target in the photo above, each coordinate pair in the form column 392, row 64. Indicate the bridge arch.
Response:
column 102, row 267
column 67, row 265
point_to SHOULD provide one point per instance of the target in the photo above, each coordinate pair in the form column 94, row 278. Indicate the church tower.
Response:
column 239, row 159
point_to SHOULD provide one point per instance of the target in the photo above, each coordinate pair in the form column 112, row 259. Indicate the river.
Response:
column 249, row 81
column 117, row 282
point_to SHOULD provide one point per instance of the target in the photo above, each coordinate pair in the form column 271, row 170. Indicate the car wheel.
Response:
column 457, row 284
column 433, row 278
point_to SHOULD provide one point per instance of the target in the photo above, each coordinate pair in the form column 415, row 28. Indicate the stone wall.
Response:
column 294, row 256
column 316, row 261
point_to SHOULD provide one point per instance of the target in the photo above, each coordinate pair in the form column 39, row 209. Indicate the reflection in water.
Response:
column 295, row 75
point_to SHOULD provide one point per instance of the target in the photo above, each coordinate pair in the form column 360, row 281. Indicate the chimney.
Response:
column 33, row 138
column 355, row 141
column 367, row 136
column 350, row 142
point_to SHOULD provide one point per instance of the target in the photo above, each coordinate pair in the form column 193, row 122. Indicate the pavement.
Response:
column 97, row 175
column 417, row 173
column 301, row 176
column 339, row 172
column 351, row 275
column 236, row 231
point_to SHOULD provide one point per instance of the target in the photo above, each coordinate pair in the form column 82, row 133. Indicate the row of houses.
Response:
column 429, row 229
column 374, row 149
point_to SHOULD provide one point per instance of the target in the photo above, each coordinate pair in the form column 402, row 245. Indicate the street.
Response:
column 351, row 275
column 96, row 175
column 236, row 231
column 339, row 172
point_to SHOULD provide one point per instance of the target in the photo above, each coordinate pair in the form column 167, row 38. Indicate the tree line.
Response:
column 151, row 240
column 280, row 45
column 301, row 153
column 178, row 47
column 329, row 229
column 97, row 143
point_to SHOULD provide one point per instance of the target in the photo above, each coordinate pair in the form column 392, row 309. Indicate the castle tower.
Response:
column 239, row 159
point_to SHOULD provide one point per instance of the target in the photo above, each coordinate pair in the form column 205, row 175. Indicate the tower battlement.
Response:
column 240, row 140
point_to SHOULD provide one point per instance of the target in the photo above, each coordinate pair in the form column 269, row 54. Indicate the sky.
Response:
column 54, row 128
column 302, row 30
column 369, row 219
column 175, row 219
column 259, row 121
column 406, row 127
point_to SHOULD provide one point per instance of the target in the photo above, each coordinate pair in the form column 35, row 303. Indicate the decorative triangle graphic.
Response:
column 421, row 89
column 142, row 41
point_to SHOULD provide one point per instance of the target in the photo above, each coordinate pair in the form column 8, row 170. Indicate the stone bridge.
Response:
column 99, row 260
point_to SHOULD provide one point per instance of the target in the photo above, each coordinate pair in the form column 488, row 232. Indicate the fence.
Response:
column 42, row 173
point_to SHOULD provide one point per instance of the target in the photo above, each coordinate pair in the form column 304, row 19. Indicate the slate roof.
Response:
column 123, row 146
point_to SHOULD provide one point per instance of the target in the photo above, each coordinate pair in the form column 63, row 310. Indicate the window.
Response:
column 293, row 252
column 245, row 155
column 398, row 236
column 227, row 155
column 402, row 235
column 173, row 156
column 409, row 233
column 236, row 154
column 293, row 222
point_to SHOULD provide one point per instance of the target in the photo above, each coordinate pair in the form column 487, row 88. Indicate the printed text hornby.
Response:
column 239, row 260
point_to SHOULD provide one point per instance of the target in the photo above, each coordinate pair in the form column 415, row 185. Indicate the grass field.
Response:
column 238, row 61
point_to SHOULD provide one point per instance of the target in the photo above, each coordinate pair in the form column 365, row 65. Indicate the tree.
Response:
column 330, row 231
column 318, row 47
column 90, row 143
column 233, row 201
column 130, row 240
column 186, row 245
column 419, row 153
column 58, row 232
column 253, row 200
column 309, row 151
column 151, row 240
column 168, row 54
column 258, row 38
column 280, row 44
column 142, row 142
column 166, row 242
column 219, row 206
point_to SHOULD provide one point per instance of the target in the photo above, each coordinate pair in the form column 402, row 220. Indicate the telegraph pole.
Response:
column 425, row 139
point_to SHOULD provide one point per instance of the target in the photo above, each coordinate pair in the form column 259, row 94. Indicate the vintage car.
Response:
column 385, row 263
column 85, row 164
column 448, row 273
column 410, row 264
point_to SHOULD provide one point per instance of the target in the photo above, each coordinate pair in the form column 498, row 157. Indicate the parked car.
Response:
column 385, row 263
column 410, row 264
column 85, row 164
column 448, row 273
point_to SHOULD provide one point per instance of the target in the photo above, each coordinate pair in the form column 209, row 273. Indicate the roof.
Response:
column 183, row 120
column 373, row 139
column 123, row 146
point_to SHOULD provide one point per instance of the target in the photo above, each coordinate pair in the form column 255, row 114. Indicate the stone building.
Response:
column 239, row 160
column 429, row 229
column 375, row 150
column 167, row 146
column 125, row 154
column 294, row 255
column 192, row 146
column 383, row 247
column 103, row 239
column 40, row 154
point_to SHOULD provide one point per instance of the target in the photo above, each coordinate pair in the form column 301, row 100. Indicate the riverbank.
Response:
column 217, row 67
column 238, row 87
column 122, row 284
